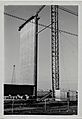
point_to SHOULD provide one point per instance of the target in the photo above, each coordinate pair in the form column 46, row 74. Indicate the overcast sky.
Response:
column 68, row 46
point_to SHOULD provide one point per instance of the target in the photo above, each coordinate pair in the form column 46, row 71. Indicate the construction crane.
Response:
column 36, row 48
column 55, row 49
column 36, row 44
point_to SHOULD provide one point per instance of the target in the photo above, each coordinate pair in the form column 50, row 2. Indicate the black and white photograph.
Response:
column 41, row 60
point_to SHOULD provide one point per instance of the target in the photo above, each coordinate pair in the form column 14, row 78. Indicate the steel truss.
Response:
column 55, row 48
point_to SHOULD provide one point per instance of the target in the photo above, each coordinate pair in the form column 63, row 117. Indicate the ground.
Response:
column 27, row 107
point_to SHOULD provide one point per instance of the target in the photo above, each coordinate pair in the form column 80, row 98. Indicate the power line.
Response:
column 14, row 16
column 59, row 31
column 46, row 26
column 68, row 32
column 19, row 18
column 67, row 10
column 71, row 43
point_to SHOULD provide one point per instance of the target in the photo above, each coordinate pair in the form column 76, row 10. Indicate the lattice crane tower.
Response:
column 54, row 48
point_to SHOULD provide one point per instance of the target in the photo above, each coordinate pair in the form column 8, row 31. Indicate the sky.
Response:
column 68, row 46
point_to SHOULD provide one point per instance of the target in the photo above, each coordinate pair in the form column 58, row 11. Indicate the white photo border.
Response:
column 2, row 3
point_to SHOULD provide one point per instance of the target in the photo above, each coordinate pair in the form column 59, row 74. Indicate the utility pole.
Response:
column 54, row 49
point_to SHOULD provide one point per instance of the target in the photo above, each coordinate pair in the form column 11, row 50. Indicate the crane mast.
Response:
column 54, row 49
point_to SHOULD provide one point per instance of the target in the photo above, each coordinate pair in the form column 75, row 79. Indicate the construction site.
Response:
column 61, row 96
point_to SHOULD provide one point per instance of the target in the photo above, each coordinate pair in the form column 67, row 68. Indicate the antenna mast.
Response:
column 13, row 75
